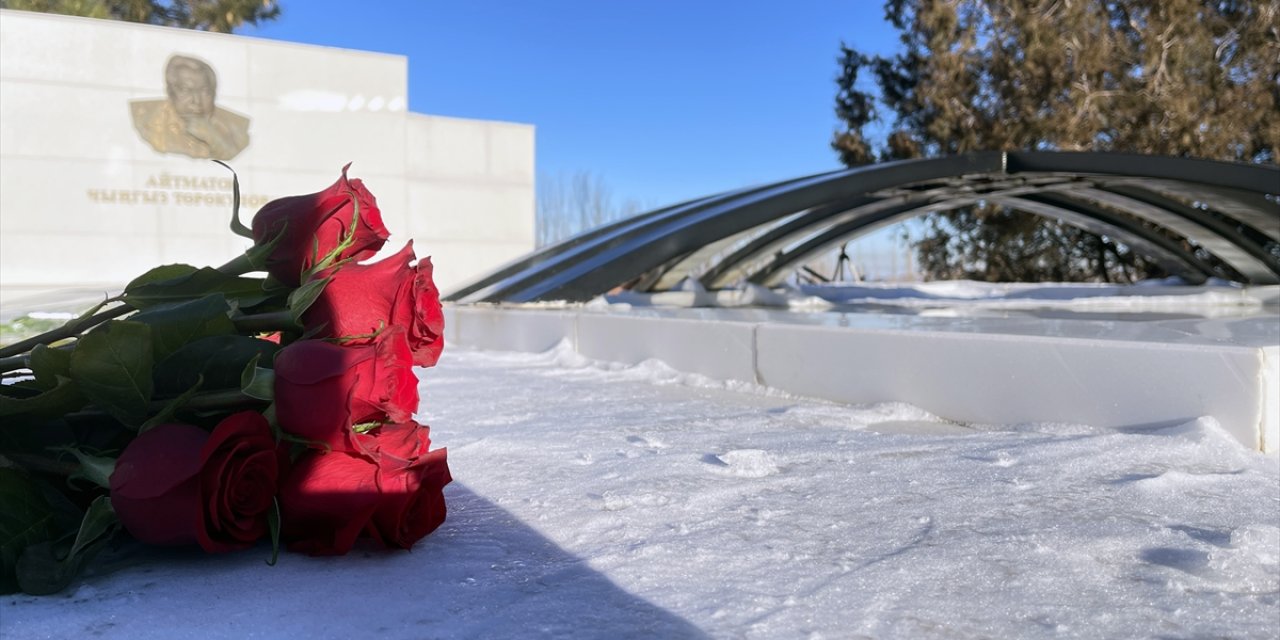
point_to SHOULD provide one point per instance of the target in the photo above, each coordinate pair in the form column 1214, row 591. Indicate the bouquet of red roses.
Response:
column 209, row 407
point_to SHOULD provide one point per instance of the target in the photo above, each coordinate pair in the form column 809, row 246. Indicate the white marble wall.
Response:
column 463, row 189
column 978, row 371
column 470, row 188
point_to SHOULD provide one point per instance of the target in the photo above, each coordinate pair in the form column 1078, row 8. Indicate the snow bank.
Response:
column 598, row 501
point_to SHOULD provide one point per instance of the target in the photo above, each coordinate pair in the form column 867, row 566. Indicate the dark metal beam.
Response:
column 1171, row 257
column 1168, row 254
column 779, row 233
column 957, row 191
column 783, row 262
column 598, row 266
column 1254, row 178
column 539, row 255
column 547, row 261
column 1229, row 231
column 1110, row 190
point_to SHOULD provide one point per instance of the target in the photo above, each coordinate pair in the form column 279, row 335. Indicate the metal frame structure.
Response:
column 1174, row 210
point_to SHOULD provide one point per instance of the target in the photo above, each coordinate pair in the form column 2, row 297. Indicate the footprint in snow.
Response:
column 645, row 442
column 743, row 463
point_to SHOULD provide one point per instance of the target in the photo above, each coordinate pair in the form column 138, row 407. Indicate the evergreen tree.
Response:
column 222, row 16
column 1193, row 78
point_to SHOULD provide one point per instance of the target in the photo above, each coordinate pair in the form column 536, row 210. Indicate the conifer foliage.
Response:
column 1194, row 78
column 221, row 16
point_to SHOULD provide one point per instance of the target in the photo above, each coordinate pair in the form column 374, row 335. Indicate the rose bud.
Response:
column 391, row 493
column 322, row 389
column 360, row 299
column 412, row 504
column 326, row 500
column 178, row 484
column 316, row 224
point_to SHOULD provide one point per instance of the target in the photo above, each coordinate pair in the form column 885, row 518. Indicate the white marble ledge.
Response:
column 973, row 370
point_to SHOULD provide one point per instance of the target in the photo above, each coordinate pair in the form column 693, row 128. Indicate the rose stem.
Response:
column 227, row 399
column 65, row 331
column 13, row 363
column 39, row 463
column 238, row 266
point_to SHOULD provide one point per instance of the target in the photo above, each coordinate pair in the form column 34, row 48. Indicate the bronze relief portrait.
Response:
column 188, row 121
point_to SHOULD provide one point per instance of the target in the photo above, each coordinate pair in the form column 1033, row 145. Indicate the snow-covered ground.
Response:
column 966, row 297
column 600, row 501
column 1147, row 300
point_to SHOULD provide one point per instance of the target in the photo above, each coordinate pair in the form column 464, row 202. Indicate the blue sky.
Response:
column 663, row 100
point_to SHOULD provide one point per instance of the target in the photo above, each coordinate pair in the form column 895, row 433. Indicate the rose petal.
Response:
column 155, row 487
column 326, row 501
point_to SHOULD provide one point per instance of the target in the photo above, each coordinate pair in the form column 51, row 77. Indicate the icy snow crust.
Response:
column 1145, row 300
column 598, row 501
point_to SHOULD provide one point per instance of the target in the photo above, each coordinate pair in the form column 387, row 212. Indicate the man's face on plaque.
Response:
column 191, row 93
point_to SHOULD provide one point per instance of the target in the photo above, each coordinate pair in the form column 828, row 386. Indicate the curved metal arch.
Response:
column 715, row 274
column 1242, row 235
column 773, row 271
column 591, row 269
column 1066, row 205
column 1249, row 209
column 1129, row 231
column 693, row 264
column 595, row 263
column 1214, row 174
column 537, row 256
column 1170, row 256
column 549, row 256
column 732, row 268
column 788, row 229
column 1227, row 244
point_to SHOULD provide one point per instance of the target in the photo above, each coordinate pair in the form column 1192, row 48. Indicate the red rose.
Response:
column 392, row 492
column 326, row 500
column 178, row 484
column 360, row 299
column 318, row 223
column 323, row 389
column 412, row 503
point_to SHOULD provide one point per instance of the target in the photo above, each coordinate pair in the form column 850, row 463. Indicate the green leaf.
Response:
column 159, row 275
column 62, row 399
column 237, row 227
column 178, row 283
column 98, row 521
column 273, row 522
column 174, row 325
column 45, row 568
column 95, row 469
column 66, row 515
column 25, row 519
column 220, row 359
column 112, row 365
column 260, row 253
column 39, row 571
column 257, row 382
column 172, row 407
column 48, row 363
column 270, row 414
column 304, row 296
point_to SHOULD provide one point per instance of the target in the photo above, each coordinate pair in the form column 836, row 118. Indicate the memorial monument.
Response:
column 108, row 131
column 189, row 122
